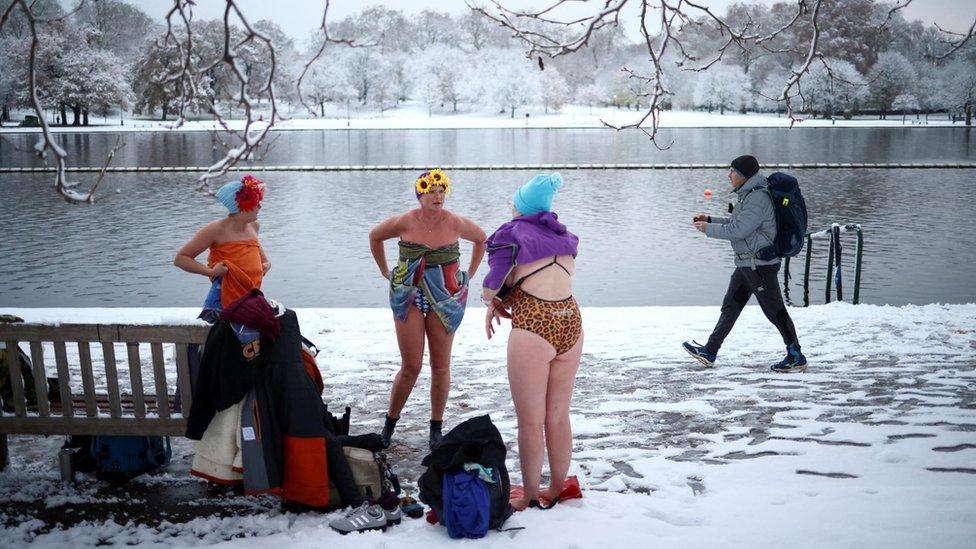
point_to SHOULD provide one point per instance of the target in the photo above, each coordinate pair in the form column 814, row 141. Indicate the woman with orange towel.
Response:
column 236, row 263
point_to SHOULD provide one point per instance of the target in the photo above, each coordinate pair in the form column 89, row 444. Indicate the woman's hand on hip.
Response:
column 496, row 312
column 218, row 270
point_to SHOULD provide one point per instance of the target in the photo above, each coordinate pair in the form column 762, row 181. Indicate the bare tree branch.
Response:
column 661, row 32
column 326, row 40
column 187, row 77
column 899, row 5
column 955, row 45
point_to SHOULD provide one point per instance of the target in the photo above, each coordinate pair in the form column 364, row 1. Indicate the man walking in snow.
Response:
column 750, row 227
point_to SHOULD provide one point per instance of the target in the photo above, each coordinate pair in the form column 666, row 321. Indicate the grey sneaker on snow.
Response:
column 364, row 518
column 393, row 516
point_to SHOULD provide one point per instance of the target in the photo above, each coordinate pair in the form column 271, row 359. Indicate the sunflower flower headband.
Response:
column 433, row 178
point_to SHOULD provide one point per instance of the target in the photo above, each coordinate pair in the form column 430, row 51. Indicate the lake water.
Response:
column 637, row 244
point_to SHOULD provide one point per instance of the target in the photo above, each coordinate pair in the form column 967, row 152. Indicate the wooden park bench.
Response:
column 93, row 412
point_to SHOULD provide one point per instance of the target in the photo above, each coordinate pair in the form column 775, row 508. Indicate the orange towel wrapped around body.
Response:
column 244, row 268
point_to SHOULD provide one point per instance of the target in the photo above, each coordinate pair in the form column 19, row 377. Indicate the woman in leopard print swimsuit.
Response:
column 531, row 260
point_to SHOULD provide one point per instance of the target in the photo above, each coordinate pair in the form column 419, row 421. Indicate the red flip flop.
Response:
column 571, row 490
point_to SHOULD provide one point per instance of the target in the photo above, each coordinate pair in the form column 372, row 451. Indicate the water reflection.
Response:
column 523, row 146
column 637, row 243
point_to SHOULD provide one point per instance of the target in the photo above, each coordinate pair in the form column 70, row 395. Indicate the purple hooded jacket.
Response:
column 523, row 240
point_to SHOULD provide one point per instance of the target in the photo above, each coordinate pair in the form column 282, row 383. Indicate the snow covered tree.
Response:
column 439, row 71
column 8, row 76
column 400, row 76
column 95, row 81
column 153, row 86
column 904, row 103
column 622, row 93
column 590, row 95
column 122, row 27
column 17, row 26
column 721, row 87
column 71, row 74
column 287, row 60
column 553, row 89
column 362, row 64
column 435, row 27
column 329, row 83
column 386, row 27
column 841, row 89
column 514, row 85
column 961, row 87
column 891, row 76
column 931, row 89
column 474, row 30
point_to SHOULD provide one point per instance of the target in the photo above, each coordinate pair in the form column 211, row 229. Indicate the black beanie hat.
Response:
column 747, row 165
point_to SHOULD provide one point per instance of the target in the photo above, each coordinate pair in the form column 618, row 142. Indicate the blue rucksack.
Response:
column 467, row 504
column 130, row 455
column 791, row 217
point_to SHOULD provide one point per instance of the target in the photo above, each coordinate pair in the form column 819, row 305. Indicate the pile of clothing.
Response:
column 257, row 409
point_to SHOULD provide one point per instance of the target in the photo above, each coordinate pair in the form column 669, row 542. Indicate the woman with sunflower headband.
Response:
column 237, row 262
column 428, row 291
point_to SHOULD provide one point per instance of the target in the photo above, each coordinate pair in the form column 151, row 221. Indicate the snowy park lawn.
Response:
column 414, row 115
column 875, row 446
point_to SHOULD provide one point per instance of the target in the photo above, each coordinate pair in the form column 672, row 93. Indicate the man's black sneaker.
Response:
column 700, row 353
column 794, row 362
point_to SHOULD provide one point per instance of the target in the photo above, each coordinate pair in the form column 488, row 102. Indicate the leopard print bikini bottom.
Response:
column 558, row 322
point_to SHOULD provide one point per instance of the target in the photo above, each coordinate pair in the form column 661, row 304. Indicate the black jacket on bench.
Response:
column 226, row 375
column 301, row 448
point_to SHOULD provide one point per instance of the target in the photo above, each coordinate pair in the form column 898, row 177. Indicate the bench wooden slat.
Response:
column 40, row 378
column 61, row 359
column 87, row 378
column 183, row 377
column 41, row 332
column 112, row 379
column 102, row 402
column 159, row 375
column 121, row 333
column 163, row 334
column 135, row 378
column 16, row 381
column 92, row 426
column 108, row 333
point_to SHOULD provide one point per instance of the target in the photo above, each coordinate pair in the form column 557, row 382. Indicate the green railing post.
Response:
column 857, row 263
column 830, row 268
column 838, row 271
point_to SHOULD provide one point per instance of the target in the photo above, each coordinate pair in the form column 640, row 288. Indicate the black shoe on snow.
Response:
column 435, row 434
column 794, row 362
column 700, row 352
column 388, row 427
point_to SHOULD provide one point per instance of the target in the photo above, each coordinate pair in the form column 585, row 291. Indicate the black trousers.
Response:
column 746, row 282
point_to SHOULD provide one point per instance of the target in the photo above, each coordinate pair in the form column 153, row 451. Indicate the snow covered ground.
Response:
column 414, row 115
column 875, row 446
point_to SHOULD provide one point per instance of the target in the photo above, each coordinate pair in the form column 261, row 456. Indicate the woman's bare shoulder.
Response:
column 214, row 228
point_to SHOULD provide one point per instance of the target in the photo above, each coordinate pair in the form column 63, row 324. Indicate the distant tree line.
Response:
column 112, row 56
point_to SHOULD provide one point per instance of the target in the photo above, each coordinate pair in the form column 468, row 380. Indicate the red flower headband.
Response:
column 250, row 194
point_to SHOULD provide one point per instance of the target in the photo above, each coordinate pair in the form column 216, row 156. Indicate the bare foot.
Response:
column 520, row 504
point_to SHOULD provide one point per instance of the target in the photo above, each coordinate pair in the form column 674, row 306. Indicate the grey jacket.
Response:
column 751, row 226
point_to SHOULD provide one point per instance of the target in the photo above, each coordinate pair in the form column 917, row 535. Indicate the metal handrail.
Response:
column 834, row 270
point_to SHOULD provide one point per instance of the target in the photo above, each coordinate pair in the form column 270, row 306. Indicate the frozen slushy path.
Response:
column 875, row 446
